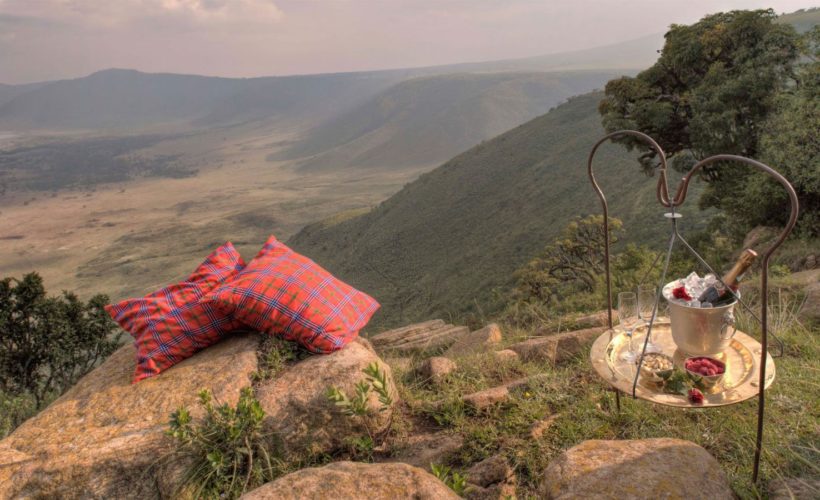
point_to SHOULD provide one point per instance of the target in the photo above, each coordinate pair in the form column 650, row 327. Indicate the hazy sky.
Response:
column 49, row 39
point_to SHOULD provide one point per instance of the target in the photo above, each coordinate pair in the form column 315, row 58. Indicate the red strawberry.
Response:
column 695, row 396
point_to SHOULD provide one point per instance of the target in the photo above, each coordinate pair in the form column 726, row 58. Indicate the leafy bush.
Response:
column 48, row 343
column 14, row 410
column 229, row 450
column 356, row 406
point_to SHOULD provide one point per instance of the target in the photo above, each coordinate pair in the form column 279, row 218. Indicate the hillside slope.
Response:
column 444, row 242
column 427, row 120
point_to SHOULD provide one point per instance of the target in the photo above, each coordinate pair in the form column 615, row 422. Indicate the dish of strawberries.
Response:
column 708, row 367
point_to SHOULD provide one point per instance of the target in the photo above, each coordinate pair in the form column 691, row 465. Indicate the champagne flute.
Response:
column 647, row 295
column 628, row 319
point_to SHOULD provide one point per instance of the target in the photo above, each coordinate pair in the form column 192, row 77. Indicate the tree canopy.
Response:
column 48, row 343
column 731, row 83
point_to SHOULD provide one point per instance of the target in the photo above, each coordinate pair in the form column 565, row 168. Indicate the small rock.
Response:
column 811, row 262
column 500, row 491
column 488, row 397
column 557, row 348
column 526, row 381
column 646, row 468
column 490, row 471
column 435, row 369
column 423, row 449
column 795, row 488
column 354, row 481
column 505, row 356
column 477, row 341
column 539, row 427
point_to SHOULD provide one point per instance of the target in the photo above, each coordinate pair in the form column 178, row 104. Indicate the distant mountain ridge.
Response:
column 129, row 99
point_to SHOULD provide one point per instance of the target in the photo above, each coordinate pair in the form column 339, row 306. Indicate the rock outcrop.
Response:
column 297, row 408
column 557, row 348
column 419, row 337
column 100, row 439
column 646, row 468
column 105, row 438
column 475, row 342
column 354, row 481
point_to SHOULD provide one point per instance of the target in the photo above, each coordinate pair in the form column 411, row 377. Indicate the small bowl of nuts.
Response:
column 656, row 367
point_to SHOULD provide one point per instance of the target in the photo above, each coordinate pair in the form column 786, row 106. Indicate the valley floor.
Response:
column 126, row 239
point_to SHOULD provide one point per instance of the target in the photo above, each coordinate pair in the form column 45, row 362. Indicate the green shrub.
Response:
column 48, row 343
column 355, row 406
column 274, row 354
column 229, row 450
column 455, row 481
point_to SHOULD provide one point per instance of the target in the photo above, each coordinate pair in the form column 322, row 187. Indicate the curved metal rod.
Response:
column 680, row 197
column 662, row 193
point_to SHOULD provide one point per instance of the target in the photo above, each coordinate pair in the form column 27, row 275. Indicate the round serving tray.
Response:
column 740, row 383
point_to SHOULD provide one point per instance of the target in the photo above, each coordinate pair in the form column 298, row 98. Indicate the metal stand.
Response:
column 662, row 193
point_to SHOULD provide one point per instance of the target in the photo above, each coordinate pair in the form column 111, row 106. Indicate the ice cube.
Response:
column 694, row 303
column 709, row 280
column 706, row 305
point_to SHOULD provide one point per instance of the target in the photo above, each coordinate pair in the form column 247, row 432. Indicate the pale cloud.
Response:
column 49, row 39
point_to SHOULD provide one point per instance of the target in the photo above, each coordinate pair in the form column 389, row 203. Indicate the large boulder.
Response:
column 646, row 468
column 100, row 439
column 299, row 412
column 353, row 481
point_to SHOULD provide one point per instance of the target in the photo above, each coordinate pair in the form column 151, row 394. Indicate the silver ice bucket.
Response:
column 701, row 332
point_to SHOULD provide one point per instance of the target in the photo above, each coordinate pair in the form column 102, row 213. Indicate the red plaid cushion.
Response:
column 282, row 292
column 172, row 324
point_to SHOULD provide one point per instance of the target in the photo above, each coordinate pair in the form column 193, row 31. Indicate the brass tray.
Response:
column 739, row 384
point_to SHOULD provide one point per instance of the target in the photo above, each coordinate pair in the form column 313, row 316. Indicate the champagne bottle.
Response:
column 717, row 292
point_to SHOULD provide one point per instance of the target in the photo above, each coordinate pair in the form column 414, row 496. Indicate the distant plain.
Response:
column 128, row 238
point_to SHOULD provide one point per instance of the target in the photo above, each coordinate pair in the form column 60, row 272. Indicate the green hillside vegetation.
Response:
column 443, row 244
column 803, row 20
column 428, row 120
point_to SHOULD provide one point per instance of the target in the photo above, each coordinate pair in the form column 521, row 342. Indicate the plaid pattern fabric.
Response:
column 172, row 324
column 283, row 293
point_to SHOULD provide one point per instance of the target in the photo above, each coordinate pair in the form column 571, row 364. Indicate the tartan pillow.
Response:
column 172, row 324
column 283, row 293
